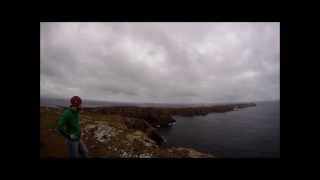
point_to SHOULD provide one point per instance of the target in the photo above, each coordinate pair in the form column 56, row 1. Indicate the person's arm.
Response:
column 78, row 133
column 62, row 122
column 76, row 130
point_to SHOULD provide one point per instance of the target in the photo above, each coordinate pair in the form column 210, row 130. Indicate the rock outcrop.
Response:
column 191, row 153
column 142, row 125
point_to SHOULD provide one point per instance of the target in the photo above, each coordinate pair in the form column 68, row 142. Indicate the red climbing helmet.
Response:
column 75, row 101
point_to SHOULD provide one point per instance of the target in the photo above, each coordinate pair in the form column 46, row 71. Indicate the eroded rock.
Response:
column 142, row 125
column 191, row 153
column 104, row 133
column 141, row 138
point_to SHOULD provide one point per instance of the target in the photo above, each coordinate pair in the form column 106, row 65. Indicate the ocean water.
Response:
column 252, row 132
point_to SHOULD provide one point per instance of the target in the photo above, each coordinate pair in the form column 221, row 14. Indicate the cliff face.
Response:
column 108, row 136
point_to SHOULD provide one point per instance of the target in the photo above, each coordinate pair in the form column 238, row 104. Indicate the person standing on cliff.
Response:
column 69, row 127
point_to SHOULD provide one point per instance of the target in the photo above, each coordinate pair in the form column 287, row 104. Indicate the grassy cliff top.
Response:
column 108, row 136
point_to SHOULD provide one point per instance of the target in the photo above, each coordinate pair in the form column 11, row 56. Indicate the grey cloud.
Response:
column 161, row 62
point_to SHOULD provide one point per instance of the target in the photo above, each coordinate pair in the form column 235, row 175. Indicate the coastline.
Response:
column 123, row 132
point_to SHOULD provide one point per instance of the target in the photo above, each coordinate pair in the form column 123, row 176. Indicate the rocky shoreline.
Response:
column 122, row 132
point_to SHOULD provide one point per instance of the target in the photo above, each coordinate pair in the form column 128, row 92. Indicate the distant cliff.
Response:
column 160, row 116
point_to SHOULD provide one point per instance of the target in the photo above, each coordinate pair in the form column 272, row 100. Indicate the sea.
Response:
column 252, row 132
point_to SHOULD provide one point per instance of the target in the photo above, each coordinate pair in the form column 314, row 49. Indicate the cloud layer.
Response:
column 161, row 62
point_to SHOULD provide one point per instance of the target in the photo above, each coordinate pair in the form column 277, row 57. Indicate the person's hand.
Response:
column 73, row 137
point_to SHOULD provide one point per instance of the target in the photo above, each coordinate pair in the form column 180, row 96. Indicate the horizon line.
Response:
column 106, row 101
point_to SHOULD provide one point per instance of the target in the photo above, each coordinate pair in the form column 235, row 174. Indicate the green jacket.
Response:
column 69, row 123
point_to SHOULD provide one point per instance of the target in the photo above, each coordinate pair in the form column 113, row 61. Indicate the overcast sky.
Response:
column 161, row 62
